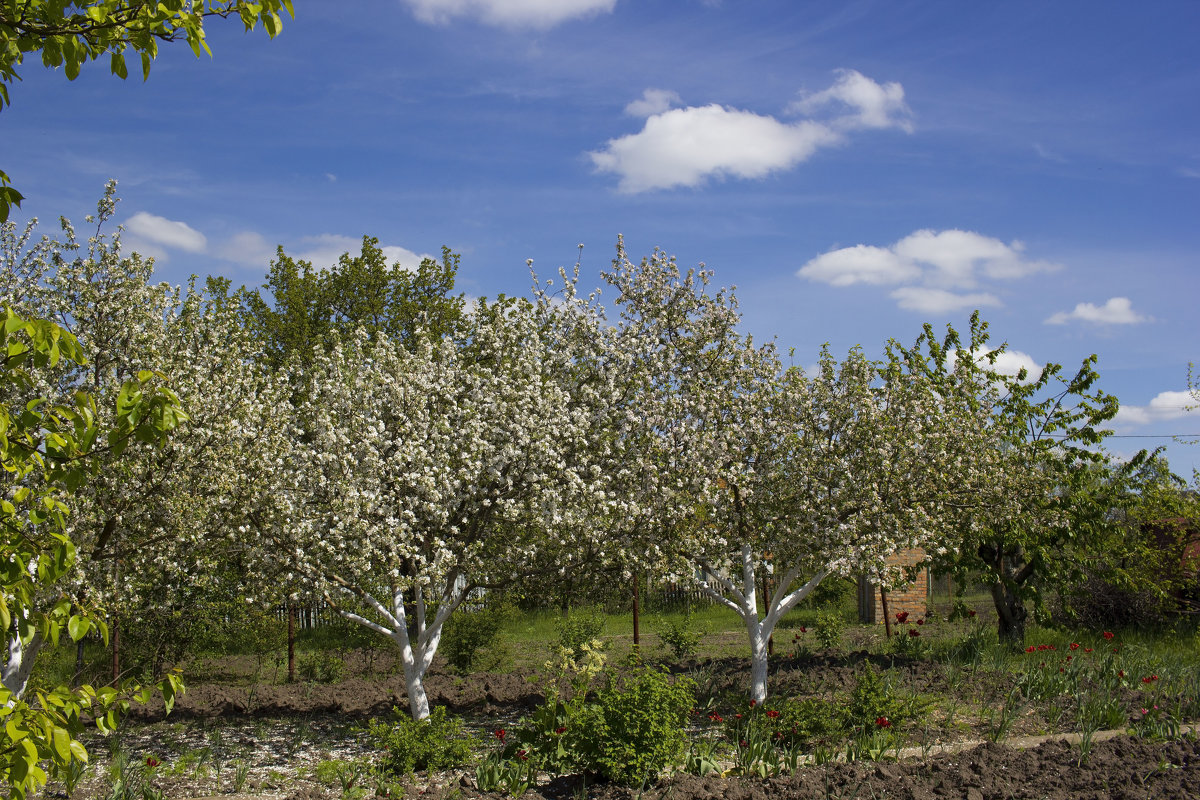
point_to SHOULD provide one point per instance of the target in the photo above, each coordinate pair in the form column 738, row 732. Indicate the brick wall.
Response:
column 912, row 598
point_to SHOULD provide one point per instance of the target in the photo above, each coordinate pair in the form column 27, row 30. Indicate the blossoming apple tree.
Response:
column 421, row 473
column 774, row 473
column 155, row 517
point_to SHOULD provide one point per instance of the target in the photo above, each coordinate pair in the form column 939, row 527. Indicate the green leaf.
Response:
column 118, row 67
column 61, row 742
column 78, row 627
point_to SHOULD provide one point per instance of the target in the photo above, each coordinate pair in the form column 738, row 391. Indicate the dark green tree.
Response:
column 1039, row 501
column 309, row 305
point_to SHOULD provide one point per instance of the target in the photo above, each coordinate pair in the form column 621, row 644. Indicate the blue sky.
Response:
column 855, row 169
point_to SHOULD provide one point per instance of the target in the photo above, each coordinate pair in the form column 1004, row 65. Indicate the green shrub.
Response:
column 322, row 667
column 469, row 640
column 828, row 629
column 805, row 721
column 681, row 636
column 434, row 743
column 578, row 629
column 637, row 725
column 874, row 698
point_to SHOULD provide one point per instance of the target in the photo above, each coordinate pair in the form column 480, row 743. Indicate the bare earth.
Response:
column 274, row 734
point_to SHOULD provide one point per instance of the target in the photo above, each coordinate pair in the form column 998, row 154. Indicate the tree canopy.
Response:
column 308, row 305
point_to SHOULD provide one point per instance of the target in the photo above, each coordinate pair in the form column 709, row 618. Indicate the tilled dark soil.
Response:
column 1122, row 767
column 1119, row 769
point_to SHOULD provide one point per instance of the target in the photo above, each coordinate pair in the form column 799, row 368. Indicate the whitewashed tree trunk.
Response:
column 743, row 601
column 416, row 652
column 19, row 665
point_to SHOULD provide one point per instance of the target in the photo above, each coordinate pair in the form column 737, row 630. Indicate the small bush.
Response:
column 578, row 629
column 637, row 726
column 806, row 721
column 434, row 743
column 322, row 667
column 874, row 698
column 469, row 640
column 828, row 629
column 682, row 636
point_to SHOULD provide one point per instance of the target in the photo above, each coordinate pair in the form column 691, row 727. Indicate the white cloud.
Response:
column 873, row 105
column 1008, row 362
column 1011, row 362
column 538, row 14
column 324, row 250
column 931, row 265
column 684, row 146
column 166, row 233
column 687, row 146
column 249, row 249
column 1162, row 407
column 939, row 301
column 653, row 101
column 955, row 257
column 1117, row 311
column 860, row 264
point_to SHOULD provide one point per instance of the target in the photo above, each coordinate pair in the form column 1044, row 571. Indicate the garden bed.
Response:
column 279, row 741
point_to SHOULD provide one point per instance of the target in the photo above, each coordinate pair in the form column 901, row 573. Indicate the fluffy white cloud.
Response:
column 931, row 265
column 860, row 264
column 324, row 250
column 653, row 101
column 1008, row 362
column 872, row 105
column 684, row 146
column 1011, row 362
column 165, row 233
column 687, row 146
column 539, row 14
column 1117, row 311
column 939, row 301
column 1164, row 406
column 249, row 249
column 956, row 258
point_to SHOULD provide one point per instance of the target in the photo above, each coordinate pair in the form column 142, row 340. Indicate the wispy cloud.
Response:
column 247, row 248
column 870, row 104
column 933, row 268
column 688, row 146
column 252, row 249
column 1117, row 311
column 940, row 301
column 537, row 14
column 652, row 101
column 1047, row 154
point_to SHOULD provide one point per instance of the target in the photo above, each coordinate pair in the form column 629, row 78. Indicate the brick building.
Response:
column 912, row 598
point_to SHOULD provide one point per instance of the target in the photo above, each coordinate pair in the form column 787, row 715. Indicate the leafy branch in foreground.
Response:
column 47, row 454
